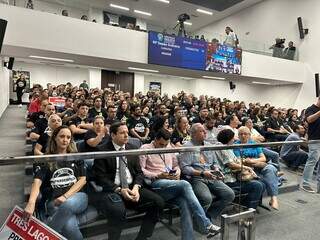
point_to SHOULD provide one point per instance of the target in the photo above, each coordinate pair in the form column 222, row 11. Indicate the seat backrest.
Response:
column 81, row 146
column 135, row 142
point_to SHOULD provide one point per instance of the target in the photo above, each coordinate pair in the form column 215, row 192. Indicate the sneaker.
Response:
column 213, row 230
column 307, row 188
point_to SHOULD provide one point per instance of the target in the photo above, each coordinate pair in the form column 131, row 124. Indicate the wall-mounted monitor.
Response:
column 176, row 51
column 193, row 54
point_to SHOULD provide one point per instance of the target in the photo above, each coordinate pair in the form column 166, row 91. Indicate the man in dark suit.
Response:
column 122, row 181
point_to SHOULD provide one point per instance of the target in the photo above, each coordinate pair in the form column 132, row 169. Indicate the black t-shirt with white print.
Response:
column 60, row 177
column 139, row 125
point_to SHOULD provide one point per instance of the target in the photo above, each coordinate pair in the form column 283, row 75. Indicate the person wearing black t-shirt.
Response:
column 203, row 114
column 111, row 118
column 275, row 131
column 80, row 125
column 138, row 126
column 54, row 122
column 42, row 123
column 96, row 136
column 123, row 112
column 67, row 106
column 180, row 134
column 63, row 180
column 312, row 116
column 33, row 117
column 97, row 109
column 20, row 86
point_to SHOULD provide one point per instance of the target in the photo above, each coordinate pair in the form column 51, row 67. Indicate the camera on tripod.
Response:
column 183, row 17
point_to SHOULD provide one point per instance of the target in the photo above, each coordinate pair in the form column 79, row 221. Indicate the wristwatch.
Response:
column 118, row 190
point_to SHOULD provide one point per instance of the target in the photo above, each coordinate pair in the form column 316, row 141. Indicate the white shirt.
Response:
column 117, row 178
column 230, row 39
column 235, row 130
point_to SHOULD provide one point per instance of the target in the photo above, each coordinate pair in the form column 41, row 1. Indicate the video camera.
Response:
column 183, row 17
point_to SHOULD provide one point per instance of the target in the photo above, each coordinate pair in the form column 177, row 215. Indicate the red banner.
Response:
column 57, row 101
column 15, row 228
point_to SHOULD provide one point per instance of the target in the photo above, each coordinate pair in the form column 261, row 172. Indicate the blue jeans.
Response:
column 272, row 157
column 269, row 177
column 254, row 190
column 213, row 195
column 313, row 157
column 295, row 159
column 180, row 193
column 63, row 218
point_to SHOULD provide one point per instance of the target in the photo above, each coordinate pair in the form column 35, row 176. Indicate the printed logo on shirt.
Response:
column 139, row 128
column 186, row 139
column 21, row 84
column 63, row 177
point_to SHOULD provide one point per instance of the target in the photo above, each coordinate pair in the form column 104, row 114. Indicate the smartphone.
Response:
column 218, row 174
column 114, row 197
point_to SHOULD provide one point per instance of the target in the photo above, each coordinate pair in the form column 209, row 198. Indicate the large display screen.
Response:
column 188, row 53
column 176, row 51
column 222, row 58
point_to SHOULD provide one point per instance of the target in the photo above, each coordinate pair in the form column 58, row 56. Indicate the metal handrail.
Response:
column 101, row 155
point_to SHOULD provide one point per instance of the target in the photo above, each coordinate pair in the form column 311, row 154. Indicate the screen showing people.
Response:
column 222, row 58
column 174, row 51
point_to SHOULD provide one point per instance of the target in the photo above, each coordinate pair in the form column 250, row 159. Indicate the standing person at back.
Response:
column 312, row 116
column 231, row 39
column 20, row 86
column 84, row 84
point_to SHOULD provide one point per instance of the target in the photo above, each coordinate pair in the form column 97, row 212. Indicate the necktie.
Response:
column 122, row 170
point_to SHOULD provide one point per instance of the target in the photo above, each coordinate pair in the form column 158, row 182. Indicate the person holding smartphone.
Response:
column 203, row 172
column 162, row 173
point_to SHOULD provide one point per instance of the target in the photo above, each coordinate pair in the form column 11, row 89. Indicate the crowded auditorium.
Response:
column 159, row 119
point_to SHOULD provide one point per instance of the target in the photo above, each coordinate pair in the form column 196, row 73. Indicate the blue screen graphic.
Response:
column 176, row 51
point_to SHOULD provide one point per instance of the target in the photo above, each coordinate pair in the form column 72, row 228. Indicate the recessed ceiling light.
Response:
column 217, row 78
column 164, row 1
column 119, row 7
column 142, row 12
column 262, row 83
column 143, row 69
column 204, row 11
column 53, row 59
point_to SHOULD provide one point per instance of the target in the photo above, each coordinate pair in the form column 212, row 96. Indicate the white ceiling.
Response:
column 163, row 15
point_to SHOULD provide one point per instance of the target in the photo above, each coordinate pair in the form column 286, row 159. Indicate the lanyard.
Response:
column 163, row 158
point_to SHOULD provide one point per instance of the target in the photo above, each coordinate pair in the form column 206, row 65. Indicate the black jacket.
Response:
column 104, row 170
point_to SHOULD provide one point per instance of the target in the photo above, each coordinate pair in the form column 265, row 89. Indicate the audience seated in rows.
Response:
column 106, row 121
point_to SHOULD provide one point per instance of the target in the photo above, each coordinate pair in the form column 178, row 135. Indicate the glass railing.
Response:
column 249, row 45
column 90, row 210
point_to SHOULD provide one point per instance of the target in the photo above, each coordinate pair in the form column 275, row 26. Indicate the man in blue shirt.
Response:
column 292, row 154
column 201, row 169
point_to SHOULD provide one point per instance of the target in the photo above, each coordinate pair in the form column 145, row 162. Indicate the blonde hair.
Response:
column 244, row 129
